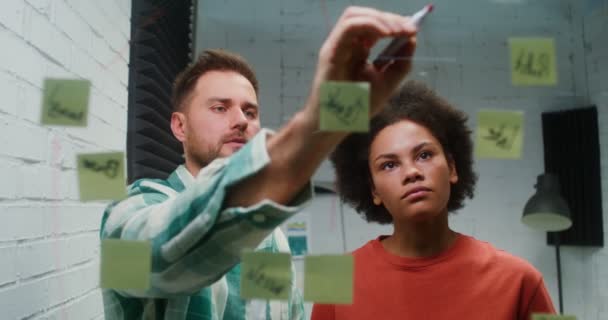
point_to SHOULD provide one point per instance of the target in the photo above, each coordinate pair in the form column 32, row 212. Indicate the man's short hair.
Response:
column 417, row 103
column 209, row 60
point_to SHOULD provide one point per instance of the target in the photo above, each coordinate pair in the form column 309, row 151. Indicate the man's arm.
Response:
column 194, row 238
column 297, row 150
column 197, row 234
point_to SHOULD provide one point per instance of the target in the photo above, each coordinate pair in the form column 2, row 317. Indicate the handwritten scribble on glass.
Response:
column 533, row 61
column 265, row 275
column 261, row 278
column 65, row 102
column 499, row 134
column 109, row 168
column 101, row 176
column 344, row 106
column 346, row 113
column 502, row 136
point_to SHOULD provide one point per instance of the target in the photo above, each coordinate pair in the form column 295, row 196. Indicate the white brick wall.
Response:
column 463, row 53
column 48, row 239
column 595, row 24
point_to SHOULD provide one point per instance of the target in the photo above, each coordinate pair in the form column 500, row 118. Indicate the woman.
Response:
column 411, row 169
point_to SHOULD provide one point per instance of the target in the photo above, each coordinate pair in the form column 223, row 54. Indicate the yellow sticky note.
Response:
column 344, row 106
column 328, row 279
column 65, row 102
column 101, row 176
column 125, row 264
column 265, row 275
column 546, row 316
column 533, row 61
column 499, row 134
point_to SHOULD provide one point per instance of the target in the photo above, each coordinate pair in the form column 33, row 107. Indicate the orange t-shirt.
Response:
column 471, row 280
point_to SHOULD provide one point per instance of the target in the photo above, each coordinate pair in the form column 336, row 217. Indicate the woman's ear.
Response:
column 375, row 198
column 452, row 168
column 178, row 126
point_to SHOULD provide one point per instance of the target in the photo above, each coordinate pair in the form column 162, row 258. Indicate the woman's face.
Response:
column 410, row 172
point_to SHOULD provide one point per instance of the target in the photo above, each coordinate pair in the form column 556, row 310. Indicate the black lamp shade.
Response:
column 547, row 210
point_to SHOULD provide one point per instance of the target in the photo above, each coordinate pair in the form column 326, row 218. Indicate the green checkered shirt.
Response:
column 196, row 242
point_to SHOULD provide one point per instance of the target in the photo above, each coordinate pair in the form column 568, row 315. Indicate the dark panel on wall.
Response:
column 572, row 151
column 161, row 38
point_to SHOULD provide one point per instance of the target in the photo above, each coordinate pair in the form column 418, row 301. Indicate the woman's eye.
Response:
column 425, row 155
column 388, row 165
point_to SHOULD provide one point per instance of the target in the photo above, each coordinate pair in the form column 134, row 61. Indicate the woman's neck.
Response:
column 420, row 239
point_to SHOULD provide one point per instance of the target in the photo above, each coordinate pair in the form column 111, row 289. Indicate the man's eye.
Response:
column 251, row 114
column 219, row 108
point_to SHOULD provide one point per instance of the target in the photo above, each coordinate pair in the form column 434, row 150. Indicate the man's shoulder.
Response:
column 169, row 187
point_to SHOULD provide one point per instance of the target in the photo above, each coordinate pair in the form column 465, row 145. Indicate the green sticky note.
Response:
column 546, row 316
column 65, row 102
column 533, row 61
column 499, row 134
column 344, row 106
column 328, row 279
column 101, row 176
column 125, row 264
column 265, row 275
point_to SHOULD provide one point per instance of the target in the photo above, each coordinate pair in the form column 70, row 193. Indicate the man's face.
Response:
column 410, row 173
column 220, row 116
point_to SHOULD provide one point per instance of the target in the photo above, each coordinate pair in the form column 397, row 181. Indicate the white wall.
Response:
column 48, row 239
column 462, row 53
column 595, row 270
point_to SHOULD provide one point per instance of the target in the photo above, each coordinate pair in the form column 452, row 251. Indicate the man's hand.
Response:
column 297, row 150
column 344, row 54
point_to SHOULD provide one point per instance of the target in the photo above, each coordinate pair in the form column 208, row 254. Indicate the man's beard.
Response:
column 205, row 155
column 202, row 158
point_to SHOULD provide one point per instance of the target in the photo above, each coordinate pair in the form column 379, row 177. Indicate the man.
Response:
column 238, row 182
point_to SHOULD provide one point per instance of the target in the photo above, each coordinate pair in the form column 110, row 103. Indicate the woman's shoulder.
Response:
column 499, row 258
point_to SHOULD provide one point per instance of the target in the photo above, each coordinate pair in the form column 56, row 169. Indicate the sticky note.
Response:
column 328, row 279
column 125, row 264
column 65, row 102
column 533, row 61
column 344, row 106
column 499, row 134
column 543, row 316
column 101, row 176
column 265, row 275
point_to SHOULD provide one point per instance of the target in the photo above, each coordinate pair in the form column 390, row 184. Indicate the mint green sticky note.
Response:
column 125, row 264
column 265, row 275
column 533, row 61
column 65, row 102
column 101, row 176
column 546, row 316
column 499, row 134
column 328, row 279
column 344, row 106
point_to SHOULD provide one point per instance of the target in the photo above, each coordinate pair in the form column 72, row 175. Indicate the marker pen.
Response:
column 388, row 54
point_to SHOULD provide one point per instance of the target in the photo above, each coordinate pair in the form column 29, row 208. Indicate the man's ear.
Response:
column 452, row 167
column 178, row 126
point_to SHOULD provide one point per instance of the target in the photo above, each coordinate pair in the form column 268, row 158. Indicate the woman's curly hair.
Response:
column 416, row 102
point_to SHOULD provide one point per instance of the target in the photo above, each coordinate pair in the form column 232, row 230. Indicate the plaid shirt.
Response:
column 196, row 242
